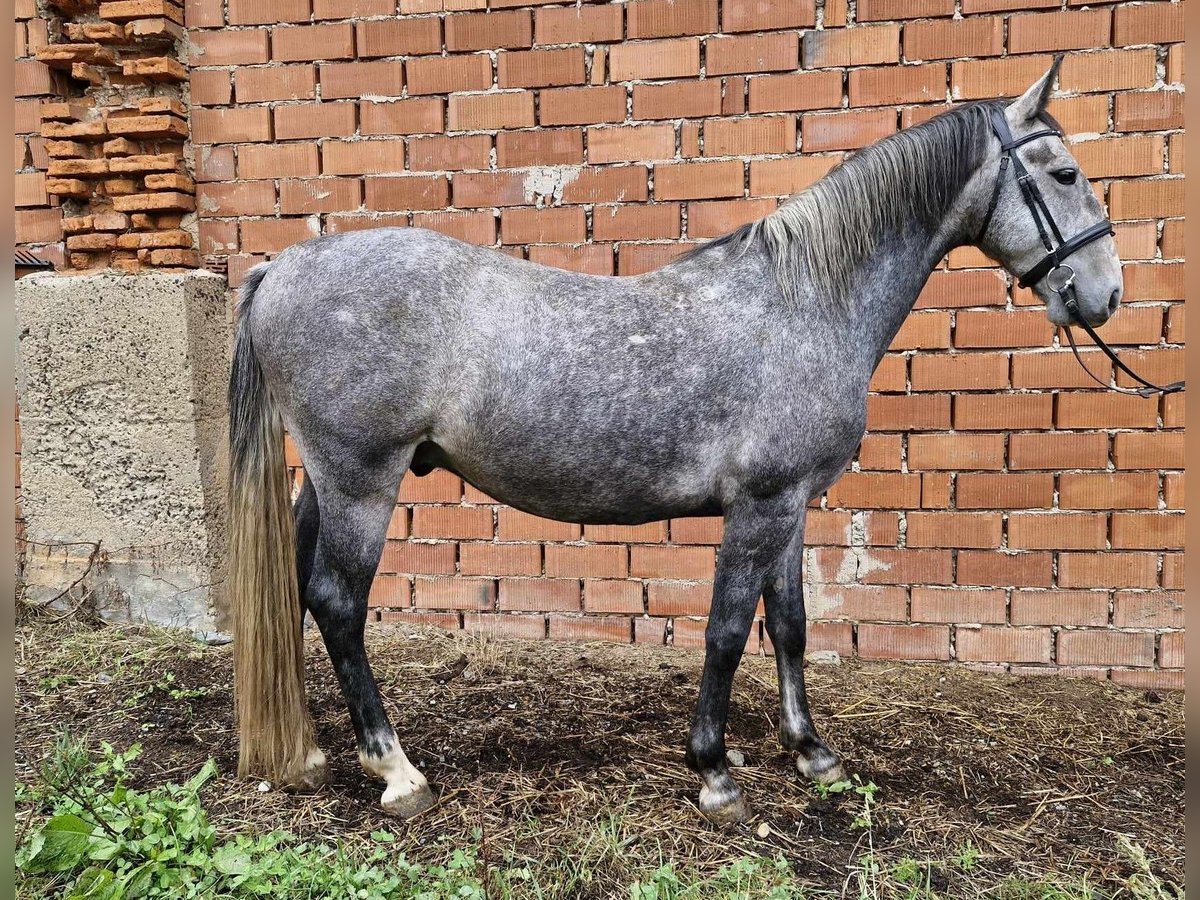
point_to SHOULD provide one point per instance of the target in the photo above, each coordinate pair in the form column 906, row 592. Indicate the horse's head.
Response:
column 1039, row 201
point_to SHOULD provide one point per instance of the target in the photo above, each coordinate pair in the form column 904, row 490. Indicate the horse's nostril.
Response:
column 1114, row 300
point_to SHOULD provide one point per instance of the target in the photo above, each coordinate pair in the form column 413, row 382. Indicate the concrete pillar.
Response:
column 122, row 384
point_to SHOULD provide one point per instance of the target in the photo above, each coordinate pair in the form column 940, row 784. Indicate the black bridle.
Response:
column 1061, row 277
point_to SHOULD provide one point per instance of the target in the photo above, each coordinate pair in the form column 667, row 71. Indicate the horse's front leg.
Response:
column 757, row 533
column 783, row 595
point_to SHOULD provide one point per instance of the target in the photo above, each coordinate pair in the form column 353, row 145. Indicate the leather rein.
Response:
column 1061, row 277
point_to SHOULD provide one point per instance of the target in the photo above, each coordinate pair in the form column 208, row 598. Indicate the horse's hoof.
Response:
column 724, row 808
column 823, row 767
column 314, row 776
column 406, row 806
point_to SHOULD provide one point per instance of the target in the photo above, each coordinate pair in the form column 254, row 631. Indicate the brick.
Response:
column 579, row 25
column 752, row 53
column 690, row 563
column 403, row 36
column 539, row 594
column 592, row 259
column 454, row 593
column 421, row 115
column 590, row 561
column 1134, row 325
column 1148, row 23
column 506, row 625
column 1058, row 451
column 1153, row 281
column 1001, row 569
column 637, row 61
column 418, row 559
column 639, row 258
column 544, row 147
column 317, row 195
column 1106, row 411
column 904, row 642
column 541, row 68
column 1018, row 645
column 582, row 106
column 543, row 226
column 670, row 18
column 608, row 184
column 229, row 48
column 660, row 221
column 487, row 112
column 1108, row 490
column 1052, row 32
column 666, row 598
column 356, row 79
column 864, row 46
column 1147, row 531
column 277, row 161
column 954, row 605
column 720, row 217
column 1123, row 156
column 953, row 529
column 472, row 227
column 798, row 91
column 1172, row 248
column 211, row 87
column 782, row 177
column 1055, row 531
column 650, row 532
column 750, row 137
column 956, row 451
column 1108, row 70
column 489, row 189
column 676, row 100
column 631, row 143
column 882, row 10
column 924, row 412
column 407, row 192
column 503, row 559
column 1146, row 199
column 923, row 331
column 591, row 628
column 959, row 371
column 362, row 157
column 315, row 120
column 1137, row 609
column 984, row 79
column 351, row 9
column 975, row 6
column 846, row 130
column 897, row 84
column 1171, row 653
column 275, row 83
column 1093, row 647
column 1112, row 569
column 462, row 523
column 1135, row 450
column 1059, row 607
column 698, row 180
column 870, row 490
column 976, row 36
column 612, row 596
column 231, row 125
column 441, row 153
column 1001, row 328
column 305, row 43
column 489, row 31
column 268, row 12
column 442, row 75
column 273, row 235
column 391, row 591
column 1148, row 111
column 1059, row 369
column 1004, row 491
column 978, row 412
column 242, row 198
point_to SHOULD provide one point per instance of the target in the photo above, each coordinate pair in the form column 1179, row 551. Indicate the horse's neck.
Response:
column 888, row 283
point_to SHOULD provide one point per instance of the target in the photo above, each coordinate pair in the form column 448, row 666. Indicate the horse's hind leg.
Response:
column 355, row 508
column 786, row 624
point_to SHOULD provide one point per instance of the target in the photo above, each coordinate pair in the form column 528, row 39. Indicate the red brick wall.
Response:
column 999, row 511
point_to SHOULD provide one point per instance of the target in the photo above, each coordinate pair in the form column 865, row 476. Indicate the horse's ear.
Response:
column 1033, row 102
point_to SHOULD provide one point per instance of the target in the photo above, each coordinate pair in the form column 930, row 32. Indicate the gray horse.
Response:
column 732, row 381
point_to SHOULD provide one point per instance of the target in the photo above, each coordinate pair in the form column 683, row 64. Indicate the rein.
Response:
column 1061, row 277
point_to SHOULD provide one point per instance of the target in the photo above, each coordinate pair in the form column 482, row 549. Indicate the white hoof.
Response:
column 314, row 775
column 821, row 770
column 407, row 793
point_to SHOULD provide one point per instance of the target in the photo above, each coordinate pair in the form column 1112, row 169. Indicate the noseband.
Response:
column 1061, row 277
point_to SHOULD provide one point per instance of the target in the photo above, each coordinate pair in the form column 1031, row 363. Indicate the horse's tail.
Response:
column 274, row 727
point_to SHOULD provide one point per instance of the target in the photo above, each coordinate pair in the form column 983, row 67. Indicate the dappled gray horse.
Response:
column 732, row 381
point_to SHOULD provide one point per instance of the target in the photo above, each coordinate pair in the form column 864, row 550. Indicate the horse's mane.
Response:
column 821, row 234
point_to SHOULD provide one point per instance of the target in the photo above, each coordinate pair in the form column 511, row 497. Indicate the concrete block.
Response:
column 122, row 383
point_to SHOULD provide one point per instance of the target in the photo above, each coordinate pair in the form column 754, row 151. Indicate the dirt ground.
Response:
column 533, row 743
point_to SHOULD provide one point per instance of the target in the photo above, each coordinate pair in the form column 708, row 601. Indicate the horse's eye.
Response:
column 1065, row 176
